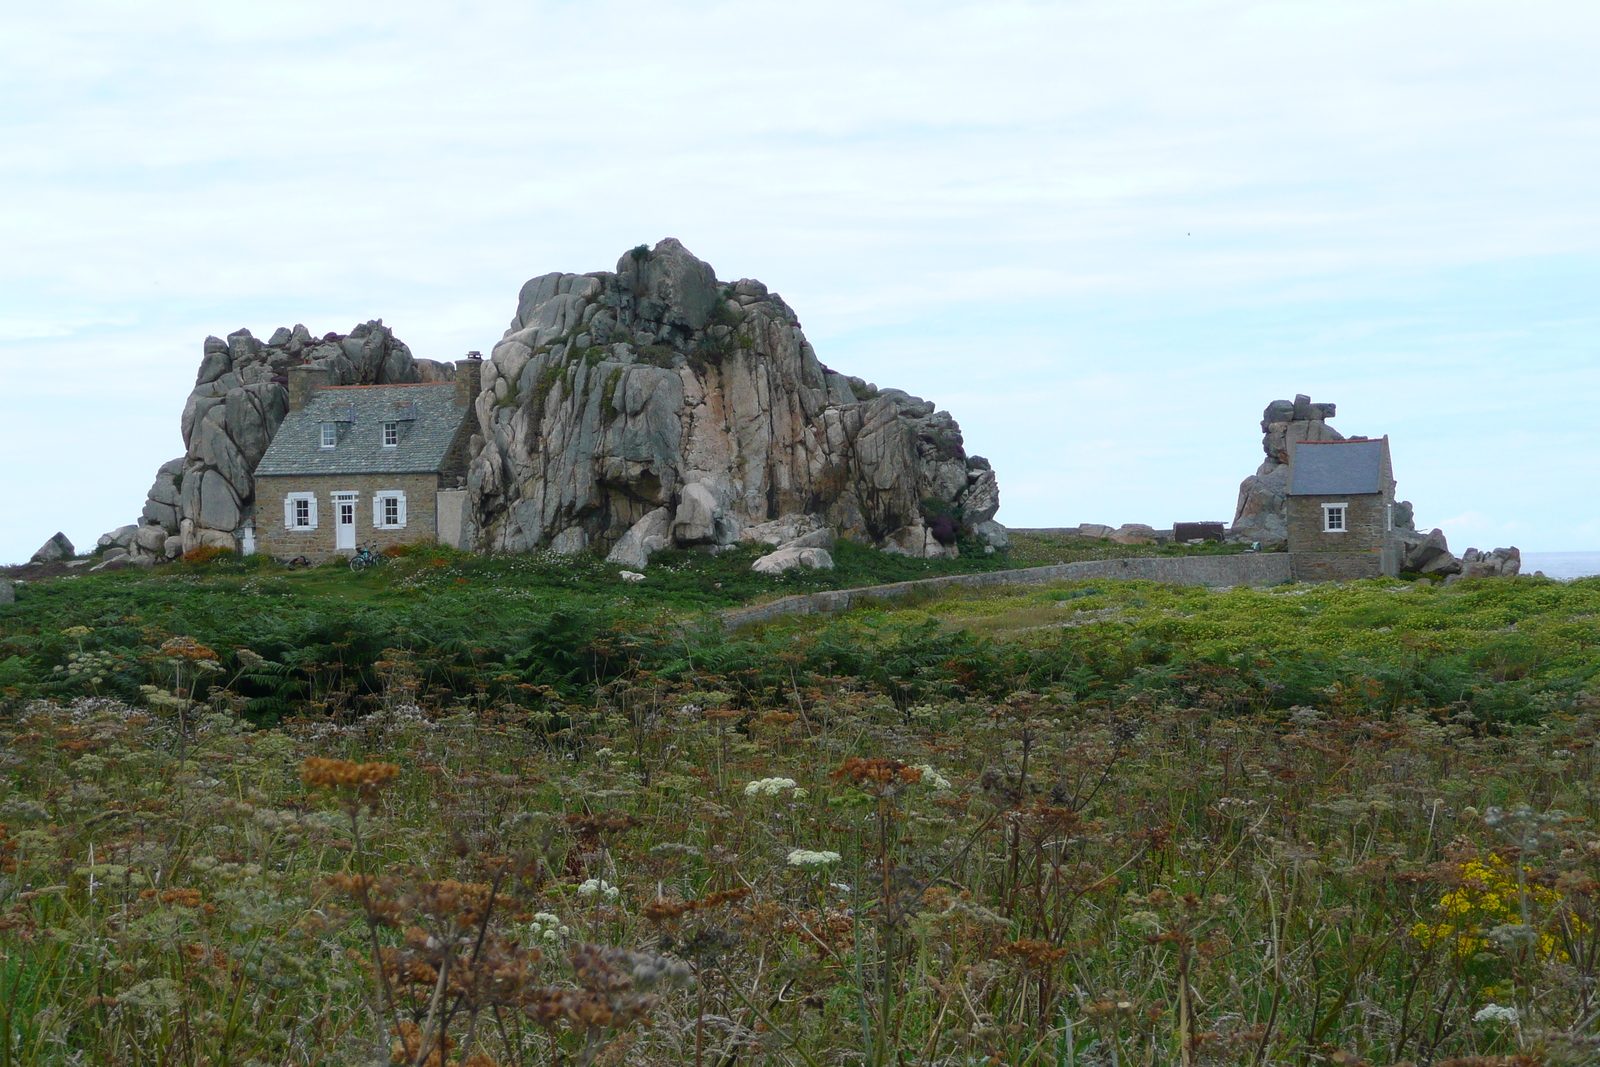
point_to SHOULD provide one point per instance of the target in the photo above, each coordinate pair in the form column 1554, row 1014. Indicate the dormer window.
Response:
column 330, row 435
column 391, row 434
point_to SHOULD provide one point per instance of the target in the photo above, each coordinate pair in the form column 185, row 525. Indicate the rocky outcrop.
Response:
column 616, row 395
column 1262, row 513
column 53, row 550
column 240, row 397
column 1134, row 533
column 788, row 557
column 1426, row 554
column 1502, row 562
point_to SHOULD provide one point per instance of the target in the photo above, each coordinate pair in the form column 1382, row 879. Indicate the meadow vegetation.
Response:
column 496, row 812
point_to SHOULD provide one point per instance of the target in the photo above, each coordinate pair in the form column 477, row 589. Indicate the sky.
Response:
column 1103, row 234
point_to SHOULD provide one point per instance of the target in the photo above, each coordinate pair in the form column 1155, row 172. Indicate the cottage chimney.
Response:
column 303, row 381
column 469, row 378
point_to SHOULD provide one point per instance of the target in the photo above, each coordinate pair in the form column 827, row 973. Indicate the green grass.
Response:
column 1034, row 548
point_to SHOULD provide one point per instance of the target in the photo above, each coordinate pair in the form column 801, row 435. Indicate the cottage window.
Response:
column 330, row 435
column 300, row 511
column 1334, row 518
column 389, row 510
column 391, row 434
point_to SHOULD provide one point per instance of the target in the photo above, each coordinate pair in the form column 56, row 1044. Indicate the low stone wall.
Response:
column 1247, row 568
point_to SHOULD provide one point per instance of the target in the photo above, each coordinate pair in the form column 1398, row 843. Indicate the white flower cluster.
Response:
column 598, row 887
column 89, row 666
column 771, row 787
column 932, row 778
column 547, row 927
column 1496, row 1013
column 804, row 857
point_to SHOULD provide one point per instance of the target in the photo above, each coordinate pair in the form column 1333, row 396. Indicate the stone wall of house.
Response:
column 275, row 539
column 1364, row 550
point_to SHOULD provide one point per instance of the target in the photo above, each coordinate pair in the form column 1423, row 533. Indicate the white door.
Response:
column 344, row 528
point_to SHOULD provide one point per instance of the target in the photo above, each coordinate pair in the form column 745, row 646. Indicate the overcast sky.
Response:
column 1102, row 234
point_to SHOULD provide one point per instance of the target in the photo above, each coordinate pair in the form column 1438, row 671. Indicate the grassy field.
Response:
column 512, row 811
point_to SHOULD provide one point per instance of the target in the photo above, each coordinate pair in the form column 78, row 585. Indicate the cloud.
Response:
column 1102, row 234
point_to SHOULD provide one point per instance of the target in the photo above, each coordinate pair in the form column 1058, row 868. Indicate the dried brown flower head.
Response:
column 877, row 774
column 365, row 780
column 185, row 648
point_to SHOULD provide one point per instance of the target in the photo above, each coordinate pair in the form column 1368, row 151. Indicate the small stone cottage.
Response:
column 1341, row 510
column 365, row 463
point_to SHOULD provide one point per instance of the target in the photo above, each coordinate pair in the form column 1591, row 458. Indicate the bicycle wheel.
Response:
column 357, row 563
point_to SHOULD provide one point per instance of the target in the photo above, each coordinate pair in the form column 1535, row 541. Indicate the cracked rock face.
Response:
column 239, row 399
column 617, row 395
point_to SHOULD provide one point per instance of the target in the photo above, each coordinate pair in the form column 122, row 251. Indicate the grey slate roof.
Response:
column 1321, row 468
column 428, row 418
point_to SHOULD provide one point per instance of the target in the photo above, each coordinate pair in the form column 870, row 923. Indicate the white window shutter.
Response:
column 313, row 510
column 377, row 511
column 288, row 512
column 402, row 497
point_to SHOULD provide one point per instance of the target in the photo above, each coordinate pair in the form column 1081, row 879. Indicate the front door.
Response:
column 344, row 530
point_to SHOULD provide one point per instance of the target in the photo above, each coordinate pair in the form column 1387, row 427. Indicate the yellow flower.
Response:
column 1490, row 897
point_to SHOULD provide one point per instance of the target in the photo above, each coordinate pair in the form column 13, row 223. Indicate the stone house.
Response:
column 1341, row 510
column 365, row 463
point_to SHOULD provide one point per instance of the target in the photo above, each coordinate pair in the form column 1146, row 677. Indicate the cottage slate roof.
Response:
column 1321, row 468
column 428, row 418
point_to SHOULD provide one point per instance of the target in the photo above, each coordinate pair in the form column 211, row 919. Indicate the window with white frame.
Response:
column 391, row 434
column 389, row 510
column 330, row 435
column 300, row 511
column 1335, row 518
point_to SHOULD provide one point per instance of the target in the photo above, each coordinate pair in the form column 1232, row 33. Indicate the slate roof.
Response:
column 1323, row 468
column 428, row 418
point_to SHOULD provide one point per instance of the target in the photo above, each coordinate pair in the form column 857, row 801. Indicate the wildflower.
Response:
column 932, row 778
column 1487, row 909
column 768, row 787
column 807, row 859
column 186, row 648
column 547, row 927
column 598, row 887
column 1496, row 1013
column 367, row 779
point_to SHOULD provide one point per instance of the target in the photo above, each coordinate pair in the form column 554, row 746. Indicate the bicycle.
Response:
column 365, row 557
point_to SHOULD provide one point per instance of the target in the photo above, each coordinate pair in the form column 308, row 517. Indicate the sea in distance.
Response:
column 1562, row 564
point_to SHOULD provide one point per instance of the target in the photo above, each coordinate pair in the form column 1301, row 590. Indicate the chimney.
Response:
column 469, row 377
column 303, row 381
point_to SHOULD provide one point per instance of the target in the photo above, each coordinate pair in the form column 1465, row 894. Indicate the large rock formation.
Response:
column 1262, row 513
column 658, row 400
column 240, row 397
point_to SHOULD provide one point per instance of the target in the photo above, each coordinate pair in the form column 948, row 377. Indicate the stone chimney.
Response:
column 469, row 377
column 303, row 381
